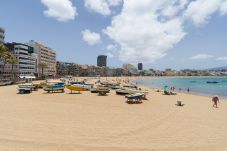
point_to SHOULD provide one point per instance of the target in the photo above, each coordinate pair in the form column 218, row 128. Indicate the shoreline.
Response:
column 184, row 92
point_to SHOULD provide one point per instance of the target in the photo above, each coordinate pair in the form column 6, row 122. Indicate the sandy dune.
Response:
column 74, row 122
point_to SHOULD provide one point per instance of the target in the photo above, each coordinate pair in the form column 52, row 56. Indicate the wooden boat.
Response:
column 130, row 91
column 55, row 88
column 94, row 90
column 103, row 91
column 130, row 86
column 110, row 85
column 76, row 88
column 134, row 98
column 42, row 84
column 82, row 84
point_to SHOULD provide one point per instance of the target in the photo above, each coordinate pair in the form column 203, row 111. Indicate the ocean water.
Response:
column 196, row 85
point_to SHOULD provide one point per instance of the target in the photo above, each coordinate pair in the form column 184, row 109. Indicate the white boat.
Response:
column 25, row 88
column 125, row 91
column 135, row 98
column 86, row 86
column 5, row 82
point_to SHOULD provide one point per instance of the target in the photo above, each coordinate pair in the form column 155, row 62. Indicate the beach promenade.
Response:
column 82, row 122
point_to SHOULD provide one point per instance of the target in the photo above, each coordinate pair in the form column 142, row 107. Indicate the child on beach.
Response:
column 215, row 99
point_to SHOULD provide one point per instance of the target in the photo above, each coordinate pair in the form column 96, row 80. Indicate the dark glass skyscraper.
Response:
column 140, row 66
column 2, row 36
column 101, row 61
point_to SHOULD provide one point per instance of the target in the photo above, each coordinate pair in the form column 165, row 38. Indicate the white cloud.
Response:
column 223, row 8
column 146, row 31
column 140, row 34
column 201, row 56
column 222, row 59
column 110, row 55
column 200, row 11
column 101, row 6
column 91, row 38
column 62, row 10
column 112, row 48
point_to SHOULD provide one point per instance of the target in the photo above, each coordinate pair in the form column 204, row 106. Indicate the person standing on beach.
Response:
column 188, row 90
column 215, row 99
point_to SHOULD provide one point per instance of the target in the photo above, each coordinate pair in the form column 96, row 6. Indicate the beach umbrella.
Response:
column 166, row 88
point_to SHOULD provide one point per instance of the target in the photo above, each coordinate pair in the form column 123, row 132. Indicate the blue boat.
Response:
column 58, row 87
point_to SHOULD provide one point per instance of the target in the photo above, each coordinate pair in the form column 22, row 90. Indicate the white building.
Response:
column 26, row 60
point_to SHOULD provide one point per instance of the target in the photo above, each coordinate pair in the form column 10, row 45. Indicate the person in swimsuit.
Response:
column 215, row 99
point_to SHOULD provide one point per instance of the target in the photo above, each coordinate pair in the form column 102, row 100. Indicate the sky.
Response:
column 161, row 34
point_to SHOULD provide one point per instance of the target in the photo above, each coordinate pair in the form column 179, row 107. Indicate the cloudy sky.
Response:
column 159, row 33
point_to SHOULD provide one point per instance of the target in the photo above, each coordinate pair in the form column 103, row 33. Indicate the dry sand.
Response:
column 75, row 122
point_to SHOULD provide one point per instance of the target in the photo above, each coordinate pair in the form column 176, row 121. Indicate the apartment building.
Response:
column 46, row 56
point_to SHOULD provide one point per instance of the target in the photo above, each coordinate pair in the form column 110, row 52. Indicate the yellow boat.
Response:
column 75, row 88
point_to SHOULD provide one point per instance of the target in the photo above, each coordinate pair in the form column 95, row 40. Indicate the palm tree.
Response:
column 13, row 61
column 2, row 51
column 5, row 56
column 42, row 66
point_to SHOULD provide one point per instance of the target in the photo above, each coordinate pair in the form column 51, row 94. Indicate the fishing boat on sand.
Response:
column 75, row 87
column 58, row 87
column 135, row 98
column 125, row 91
column 103, row 91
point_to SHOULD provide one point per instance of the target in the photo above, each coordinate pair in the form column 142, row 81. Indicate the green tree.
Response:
column 13, row 61
column 5, row 56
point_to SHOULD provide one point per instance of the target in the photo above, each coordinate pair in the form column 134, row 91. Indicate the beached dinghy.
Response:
column 103, row 91
column 81, row 84
column 75, row 87
column 124, row 91
column 55, row 88
column 135, row 98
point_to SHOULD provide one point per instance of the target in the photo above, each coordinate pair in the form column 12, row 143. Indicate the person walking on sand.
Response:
column 215, row 99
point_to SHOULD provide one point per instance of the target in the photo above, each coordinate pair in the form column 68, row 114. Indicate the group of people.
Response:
column 215, row 99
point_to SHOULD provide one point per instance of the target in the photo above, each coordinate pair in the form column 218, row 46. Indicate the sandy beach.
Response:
column 82, row 122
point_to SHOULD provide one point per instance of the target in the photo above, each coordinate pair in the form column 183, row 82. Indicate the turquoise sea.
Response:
column 197, row 85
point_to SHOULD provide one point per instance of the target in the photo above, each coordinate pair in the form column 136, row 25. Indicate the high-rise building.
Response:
column 26, row 60
column 2, row 35
column 140, row 66
column 46, row 56
column 101, row 61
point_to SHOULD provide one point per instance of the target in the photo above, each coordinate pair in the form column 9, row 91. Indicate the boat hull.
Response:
column 75, row 88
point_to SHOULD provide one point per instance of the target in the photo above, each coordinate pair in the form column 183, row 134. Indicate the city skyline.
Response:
column 86, row 31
